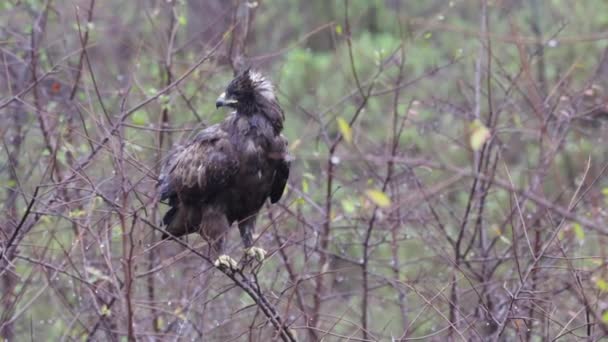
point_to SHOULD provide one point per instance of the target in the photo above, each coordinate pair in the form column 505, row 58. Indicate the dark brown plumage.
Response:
column 226, row 173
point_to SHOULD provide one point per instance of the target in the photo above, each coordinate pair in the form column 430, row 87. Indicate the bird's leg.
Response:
column 224, row 261
column 246, row 235
column 246, row 227
column 217, row 246
column 214, row 233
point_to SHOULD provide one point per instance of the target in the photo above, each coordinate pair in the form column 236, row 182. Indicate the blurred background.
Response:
column 449, row 180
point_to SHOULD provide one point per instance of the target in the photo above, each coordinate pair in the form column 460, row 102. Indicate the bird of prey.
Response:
column 227, row 171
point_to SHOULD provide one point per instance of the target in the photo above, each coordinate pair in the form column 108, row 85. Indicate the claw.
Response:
column 225, row 261
column 256, row 252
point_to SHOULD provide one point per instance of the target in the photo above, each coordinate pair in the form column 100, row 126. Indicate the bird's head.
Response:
column 246, row 91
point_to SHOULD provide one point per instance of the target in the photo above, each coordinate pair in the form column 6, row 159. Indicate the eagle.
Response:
column 227, row 171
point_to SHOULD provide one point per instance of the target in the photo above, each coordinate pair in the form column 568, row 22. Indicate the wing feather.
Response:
column 199, row 168
column 281, row 173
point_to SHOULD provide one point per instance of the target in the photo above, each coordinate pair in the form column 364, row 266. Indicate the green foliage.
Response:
column 303, row 48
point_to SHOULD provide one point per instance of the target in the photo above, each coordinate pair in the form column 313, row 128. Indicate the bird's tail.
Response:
column 181, row 220
column 167, row 222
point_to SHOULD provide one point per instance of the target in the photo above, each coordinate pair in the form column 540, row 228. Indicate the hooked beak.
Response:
column 223, row 101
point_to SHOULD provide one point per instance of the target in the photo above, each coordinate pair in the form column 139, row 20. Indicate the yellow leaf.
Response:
column 105, row 311
column 505, row 240
column 339, row 29
column 294, row 145
column 179, row 313
column 498, row 233
column 304, row 186
column 479, row 135
column 348, row 206
column 496, row 230
column 160, row 323
column 77, row 213
column 602, row 285
column 579, row 232
column 378, row 197
column 345, row 130
column 96, row 274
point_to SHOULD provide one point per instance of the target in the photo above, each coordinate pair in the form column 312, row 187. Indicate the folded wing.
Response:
column 193, row 173
column 281, row 173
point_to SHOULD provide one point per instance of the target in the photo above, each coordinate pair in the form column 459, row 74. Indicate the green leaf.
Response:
column 139, row 118
column 479, row 135
column 339, row 29
column 164, row 100
column 348, row 206
column 182, row 20
column 116, row 233
column 605, row 316
column 579, row 232
column 345, row 130
column 378, row 197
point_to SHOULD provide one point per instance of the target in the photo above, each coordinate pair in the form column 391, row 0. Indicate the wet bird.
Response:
column 227, row 171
